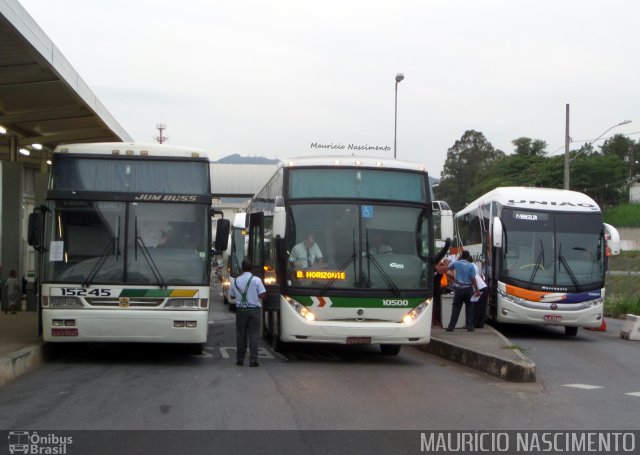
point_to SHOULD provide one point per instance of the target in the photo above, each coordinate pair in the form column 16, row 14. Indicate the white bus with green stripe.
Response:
column 361, row 294
column 124, row 242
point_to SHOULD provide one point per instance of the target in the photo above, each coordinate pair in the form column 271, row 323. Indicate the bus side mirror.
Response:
column 497, row 232
column 612, row 238
column 35, row 230
column 279, row 221
column 223, row 228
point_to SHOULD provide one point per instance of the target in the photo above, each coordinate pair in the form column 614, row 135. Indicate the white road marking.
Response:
column 583, row 386
column 262, row 352
column 633, row 394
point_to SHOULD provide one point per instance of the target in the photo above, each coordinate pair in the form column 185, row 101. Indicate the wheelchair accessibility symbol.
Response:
column 367, row 211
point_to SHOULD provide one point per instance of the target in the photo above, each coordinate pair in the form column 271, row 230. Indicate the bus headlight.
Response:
column 508, row 297
column 301, row 309
column 417, row 311
column 65, row 302
column 181, row 304
column 592, row 303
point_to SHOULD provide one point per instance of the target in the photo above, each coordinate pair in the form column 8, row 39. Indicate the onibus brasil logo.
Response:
column 30, row 442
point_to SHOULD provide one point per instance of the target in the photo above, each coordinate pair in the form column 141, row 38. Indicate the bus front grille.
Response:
column 133, row 302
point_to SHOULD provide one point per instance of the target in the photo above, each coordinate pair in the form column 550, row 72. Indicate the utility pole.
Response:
column 567, row 140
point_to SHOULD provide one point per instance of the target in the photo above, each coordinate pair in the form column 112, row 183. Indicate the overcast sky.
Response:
column 269, row 78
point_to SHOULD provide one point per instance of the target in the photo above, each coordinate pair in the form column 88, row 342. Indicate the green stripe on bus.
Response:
column 145, row 293
column 361, row 302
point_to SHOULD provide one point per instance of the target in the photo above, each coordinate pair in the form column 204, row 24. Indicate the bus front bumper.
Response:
column 142, row 326
column 297, row 329
column 580, row 316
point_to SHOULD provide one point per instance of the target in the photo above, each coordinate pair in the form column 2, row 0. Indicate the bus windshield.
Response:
column 351, row 246
column 553, row 249
column 134, row 243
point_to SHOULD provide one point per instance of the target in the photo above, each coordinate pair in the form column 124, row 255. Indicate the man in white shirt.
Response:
column 306, row 254
column 249, row 292
column 480, row 301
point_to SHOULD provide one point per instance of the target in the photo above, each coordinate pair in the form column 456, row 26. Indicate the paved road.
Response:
column 319, row 387
column 595, row 374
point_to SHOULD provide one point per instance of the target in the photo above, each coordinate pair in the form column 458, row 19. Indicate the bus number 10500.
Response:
column 80, row 292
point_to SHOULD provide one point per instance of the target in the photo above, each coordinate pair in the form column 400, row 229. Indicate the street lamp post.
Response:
column 399, row 77
column 568, row 160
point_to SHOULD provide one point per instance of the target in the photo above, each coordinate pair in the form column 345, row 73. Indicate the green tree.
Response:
column 625, row 149
column 466, row 164
column 526, row 146
column 620, row 146
column 601, row 177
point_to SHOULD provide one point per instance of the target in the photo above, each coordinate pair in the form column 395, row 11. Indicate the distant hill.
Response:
column 237, row 159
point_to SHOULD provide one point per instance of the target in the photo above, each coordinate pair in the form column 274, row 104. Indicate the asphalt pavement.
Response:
column 485, row 349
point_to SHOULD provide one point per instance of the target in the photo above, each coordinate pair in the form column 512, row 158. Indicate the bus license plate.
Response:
column 358, row 340
column 64, row 332
column 552, row 317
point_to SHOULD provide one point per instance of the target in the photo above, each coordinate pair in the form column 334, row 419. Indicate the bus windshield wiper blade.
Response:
column 350, row 259
column 99, row 263
column 387, row 279
column 147, row 255
column 564, row 262
column 340, row 269
column 539, row 261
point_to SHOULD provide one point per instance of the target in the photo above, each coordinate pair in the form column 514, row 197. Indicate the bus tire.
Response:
column 390, row 349
column 570, row 331
column 266, row 331
column 196, row 348
column 276, row 343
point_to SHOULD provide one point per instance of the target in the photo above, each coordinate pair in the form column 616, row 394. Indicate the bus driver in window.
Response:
column 306, row 254
column 154, row 233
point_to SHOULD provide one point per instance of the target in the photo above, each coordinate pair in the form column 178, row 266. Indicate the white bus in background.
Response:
column 359, row 294
column 544, row 253
column 124, row 242
column 237, row 252
column 442, row 222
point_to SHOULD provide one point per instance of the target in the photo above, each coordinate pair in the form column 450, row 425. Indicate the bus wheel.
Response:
column 276, row 343
column 196, row 348
column 390, row 349
column 570, row 331
column 266, row 325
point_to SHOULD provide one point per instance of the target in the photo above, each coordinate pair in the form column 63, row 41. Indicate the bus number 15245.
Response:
column 80, row 292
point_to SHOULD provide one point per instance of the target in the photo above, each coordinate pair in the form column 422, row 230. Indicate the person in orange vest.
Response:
column 440, row 265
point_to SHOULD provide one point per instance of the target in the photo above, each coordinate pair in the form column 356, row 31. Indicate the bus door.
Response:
column 256, row 244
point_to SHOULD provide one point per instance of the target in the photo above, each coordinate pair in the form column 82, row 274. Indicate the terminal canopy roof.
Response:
column 42, row 98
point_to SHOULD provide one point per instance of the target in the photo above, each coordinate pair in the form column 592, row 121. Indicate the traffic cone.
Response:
column 602, row 328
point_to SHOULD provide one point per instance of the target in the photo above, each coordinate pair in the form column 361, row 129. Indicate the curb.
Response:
column 520, row 370
column 19, row 363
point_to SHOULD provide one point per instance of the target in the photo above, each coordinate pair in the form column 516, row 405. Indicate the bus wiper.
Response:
column 564, row 262
column 328, row 284
column 343, row 266
column 148, row 258
column 100, row 262
column 539, row 260
column 387, row 279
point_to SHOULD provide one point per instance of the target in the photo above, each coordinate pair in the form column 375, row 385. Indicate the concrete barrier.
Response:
column 19, row 363
column 631, row 328
column 486, row 350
